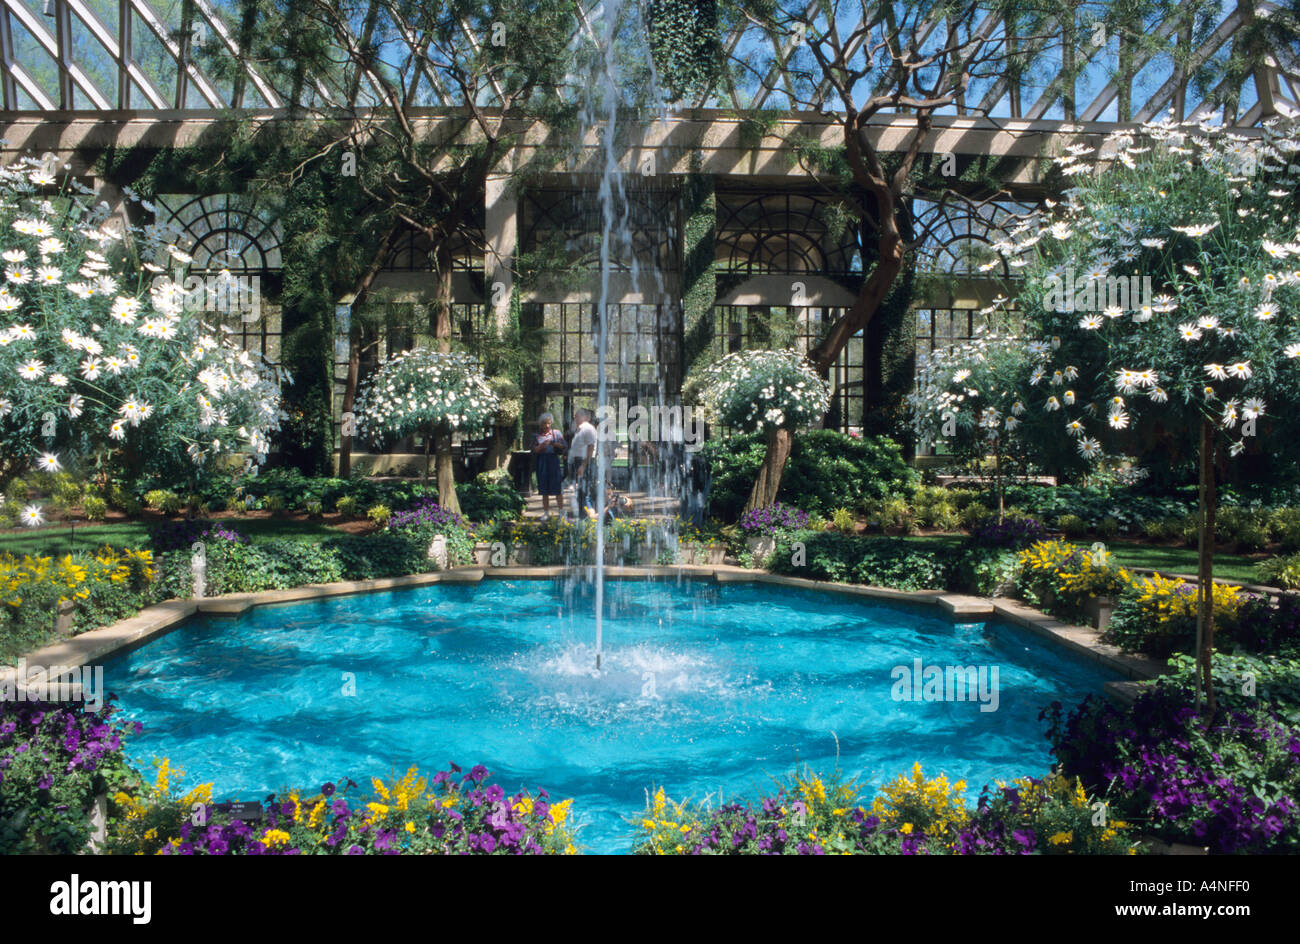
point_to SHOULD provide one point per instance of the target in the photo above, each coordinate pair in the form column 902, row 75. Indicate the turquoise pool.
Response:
column 707, row 690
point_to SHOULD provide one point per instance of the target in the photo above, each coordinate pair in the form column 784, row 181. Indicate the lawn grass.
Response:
column 60, row 539
column 1182, row 560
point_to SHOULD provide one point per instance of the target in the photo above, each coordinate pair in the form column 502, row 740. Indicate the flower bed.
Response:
column 1226, row 783
column 910, row 816
column 450, row 815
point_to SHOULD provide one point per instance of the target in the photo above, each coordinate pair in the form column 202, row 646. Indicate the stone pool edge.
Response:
column 154, row 621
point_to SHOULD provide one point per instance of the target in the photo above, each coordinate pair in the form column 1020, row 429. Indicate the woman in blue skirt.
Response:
column 546, row 447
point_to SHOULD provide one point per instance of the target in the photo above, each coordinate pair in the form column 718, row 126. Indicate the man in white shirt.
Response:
column 582, row 455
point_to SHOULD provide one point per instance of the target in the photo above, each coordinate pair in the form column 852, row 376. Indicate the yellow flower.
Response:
column 906, row 829
column 1061, row 839
column 410, row 827
column 274, row 837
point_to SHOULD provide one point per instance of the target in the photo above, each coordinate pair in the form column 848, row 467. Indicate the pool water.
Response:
column 708, row 690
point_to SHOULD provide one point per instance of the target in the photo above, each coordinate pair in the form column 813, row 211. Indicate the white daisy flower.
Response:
column 32, row 516
column 48, row 462
column 31, row 370
column 1217, row 371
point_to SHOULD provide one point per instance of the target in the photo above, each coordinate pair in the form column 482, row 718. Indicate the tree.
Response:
column 430, row 391
column 772, row 392
column 1163, row 286
column 105, row 357
column 912, row 59
column 972, row 397
column 402, row 108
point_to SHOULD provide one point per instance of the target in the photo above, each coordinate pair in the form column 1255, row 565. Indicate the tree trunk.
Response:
column 447, row 475
column 428, row 442
column 997, row 459
column 779, row 443
column 1205, row 574
column 442, row 333
column 354, row 348
column 498, row 452
column 349, row 400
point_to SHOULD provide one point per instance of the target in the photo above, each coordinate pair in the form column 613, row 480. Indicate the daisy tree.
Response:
column 437, row 393
column 1169, row 281
column 771, row 392
column 107, row 362
column 972, row 397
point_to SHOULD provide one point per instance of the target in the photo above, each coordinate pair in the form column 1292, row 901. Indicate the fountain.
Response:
column 601, row 114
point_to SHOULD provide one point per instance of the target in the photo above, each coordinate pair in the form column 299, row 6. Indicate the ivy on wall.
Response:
column 699, row 270
column 684, row 45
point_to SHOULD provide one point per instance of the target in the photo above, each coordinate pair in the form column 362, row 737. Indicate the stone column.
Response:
column 501, row 234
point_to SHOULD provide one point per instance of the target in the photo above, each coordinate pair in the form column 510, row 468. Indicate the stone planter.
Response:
column 64, row 617
column 647, row 553
column 521, row 555
column 98, row 825
column 761, row 547
column 482, row 554
column 715, row 553
column 1098, row 611
column 438, row 551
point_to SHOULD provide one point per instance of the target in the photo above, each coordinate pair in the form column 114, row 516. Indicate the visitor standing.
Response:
column 546, row 446
column 582, row 459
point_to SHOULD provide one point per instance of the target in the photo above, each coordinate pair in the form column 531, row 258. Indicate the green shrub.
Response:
column 347, row 506
column 843, row 520
column 896, row 515
column 379, row 514
column 274, row 504
column 880, row 562
column 984, row 571
column 826, row 470
column 95, row 508
column 1285, row 525
column 17, row 490
column 1190, row 530
column 1108, row 527
column 1281, row 572
column 368, row 557
column 488, row 500
column 974, row 513
column 168, row 502
column 961, row 497
column 66, row 491
column 946, row 517
column 1162, row 529
column 1072, row 526
column 9, row 511
column 313, row 508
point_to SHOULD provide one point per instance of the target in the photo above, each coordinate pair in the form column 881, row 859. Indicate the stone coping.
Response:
column 154, row 621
